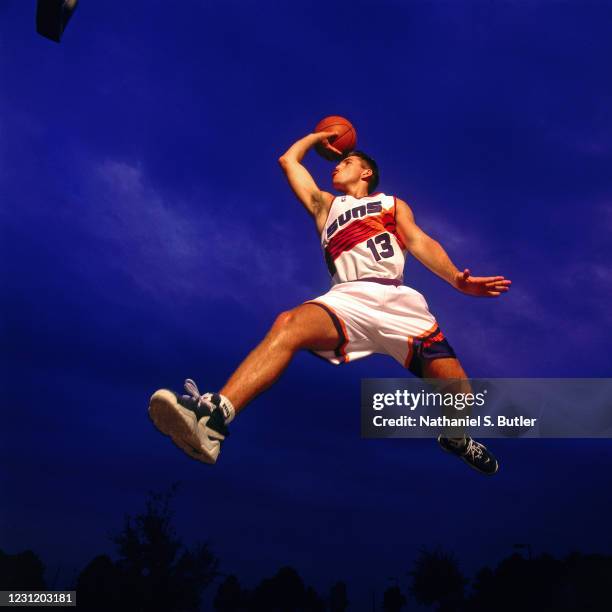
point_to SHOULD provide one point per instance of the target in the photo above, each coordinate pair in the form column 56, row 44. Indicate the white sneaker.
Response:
column 193, row 421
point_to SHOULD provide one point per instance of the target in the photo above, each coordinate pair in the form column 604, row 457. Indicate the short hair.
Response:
column 371, row 164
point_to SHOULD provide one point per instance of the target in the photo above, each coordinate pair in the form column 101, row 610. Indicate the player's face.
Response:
column 348, row 172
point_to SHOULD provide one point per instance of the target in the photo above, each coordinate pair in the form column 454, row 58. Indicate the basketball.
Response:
column 346, row 140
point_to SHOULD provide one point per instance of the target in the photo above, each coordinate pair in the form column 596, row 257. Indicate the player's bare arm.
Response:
column 431, row 254
column 315, row 201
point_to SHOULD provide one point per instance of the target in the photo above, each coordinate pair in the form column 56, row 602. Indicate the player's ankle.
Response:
column 222, row 403
column 229, row 412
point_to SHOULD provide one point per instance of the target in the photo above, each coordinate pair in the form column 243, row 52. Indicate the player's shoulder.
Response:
column 403, row 210
column 402, row 204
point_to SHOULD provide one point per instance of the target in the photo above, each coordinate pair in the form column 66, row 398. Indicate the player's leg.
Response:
column 445, row 367
column 305, row 327
column 197, row 423
column 452, row 376
column 449, row 372
column 428, row 354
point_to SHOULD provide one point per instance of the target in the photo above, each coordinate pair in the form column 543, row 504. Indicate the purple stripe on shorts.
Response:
column 383, row 281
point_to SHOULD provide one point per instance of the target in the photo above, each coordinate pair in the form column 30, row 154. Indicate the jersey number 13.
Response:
column 380, row 246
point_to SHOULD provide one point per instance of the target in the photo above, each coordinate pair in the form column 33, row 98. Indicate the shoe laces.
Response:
column 192, row 389
column 475, row 450
column 227, row 413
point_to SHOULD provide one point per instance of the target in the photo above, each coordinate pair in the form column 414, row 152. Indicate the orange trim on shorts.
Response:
column 429, row 331
column 341, row 349
column 411, row 342
column 409, row 356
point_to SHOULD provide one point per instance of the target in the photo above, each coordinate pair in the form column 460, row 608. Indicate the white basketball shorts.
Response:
column 374, row 316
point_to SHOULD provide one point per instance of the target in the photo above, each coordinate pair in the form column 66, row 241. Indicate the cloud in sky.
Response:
column 168, row 247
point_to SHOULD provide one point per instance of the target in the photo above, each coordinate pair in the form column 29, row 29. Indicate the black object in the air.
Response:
column 52, row 17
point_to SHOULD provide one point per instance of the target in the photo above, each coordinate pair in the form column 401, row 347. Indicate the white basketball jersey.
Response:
column 360, row 239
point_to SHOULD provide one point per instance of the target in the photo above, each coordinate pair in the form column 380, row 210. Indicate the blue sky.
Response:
column 148, row 235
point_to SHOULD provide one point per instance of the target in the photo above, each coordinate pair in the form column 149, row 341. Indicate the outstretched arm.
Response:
column 431, row 254
column 315, row 201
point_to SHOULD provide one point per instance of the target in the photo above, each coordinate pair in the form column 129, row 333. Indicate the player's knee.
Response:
column 283, row 328
column 283, row 321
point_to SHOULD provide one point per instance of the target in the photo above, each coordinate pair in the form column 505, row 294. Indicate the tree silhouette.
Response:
column 285, row 592
column 312, row 601
column 587, row 589
column 393, row 600
column 437, row 579
column 338, row 601
column 99, row 585
column 23, row 571
column 230, row 597
column 576, row 584
column 519, row 582
column 154, row 571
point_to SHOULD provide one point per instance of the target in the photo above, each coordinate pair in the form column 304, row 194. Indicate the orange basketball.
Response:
column 345, row 141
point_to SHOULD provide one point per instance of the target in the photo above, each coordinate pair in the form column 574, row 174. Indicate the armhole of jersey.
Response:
column 331, row 205
column 401, row 241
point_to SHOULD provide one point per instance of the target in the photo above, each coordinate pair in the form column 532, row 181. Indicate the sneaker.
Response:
column 475, row 454
column 194, row 422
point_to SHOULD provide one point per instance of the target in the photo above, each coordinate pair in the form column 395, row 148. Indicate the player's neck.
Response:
column 357, row 191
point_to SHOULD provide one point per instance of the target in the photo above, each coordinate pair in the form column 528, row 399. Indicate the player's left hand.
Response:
column 481, row 286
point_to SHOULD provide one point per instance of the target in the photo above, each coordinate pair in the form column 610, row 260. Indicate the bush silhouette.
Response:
column 22, row 571
column 154, row 571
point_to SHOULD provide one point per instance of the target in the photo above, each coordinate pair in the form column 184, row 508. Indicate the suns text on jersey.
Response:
column 371, row 208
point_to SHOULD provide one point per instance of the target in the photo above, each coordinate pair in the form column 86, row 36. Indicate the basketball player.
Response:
column 365, row 236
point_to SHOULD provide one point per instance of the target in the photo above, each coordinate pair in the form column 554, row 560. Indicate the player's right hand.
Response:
column 326, row 138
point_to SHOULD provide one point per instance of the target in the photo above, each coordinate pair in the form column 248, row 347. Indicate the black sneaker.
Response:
column 194, row 422
column 475, row 454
